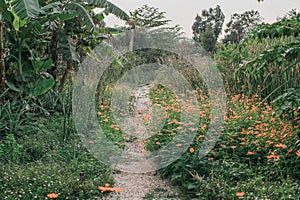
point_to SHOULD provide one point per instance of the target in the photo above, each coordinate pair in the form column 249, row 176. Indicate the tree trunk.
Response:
column 132, row 32
column 53, row 54
column 65, row 76
column 2, row 51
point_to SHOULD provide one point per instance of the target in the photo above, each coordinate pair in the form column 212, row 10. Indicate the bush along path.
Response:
column 147, row 185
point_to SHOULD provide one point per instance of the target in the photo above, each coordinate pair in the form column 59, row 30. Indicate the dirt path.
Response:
column 148, row 185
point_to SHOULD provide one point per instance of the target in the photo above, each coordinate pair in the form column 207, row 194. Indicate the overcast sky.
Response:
column 184, row 12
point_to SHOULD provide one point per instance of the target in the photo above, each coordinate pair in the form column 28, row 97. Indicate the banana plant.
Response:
column 44, row 42
column 276, row 68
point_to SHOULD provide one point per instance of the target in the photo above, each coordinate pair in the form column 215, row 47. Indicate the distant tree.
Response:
column 210, row 21
column 239, row 25
column 208, row 39
column 148, row 17
column 156, row 24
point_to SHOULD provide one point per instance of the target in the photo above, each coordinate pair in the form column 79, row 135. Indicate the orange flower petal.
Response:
column 273, row 156
column 146, row 117
column 52, row 196
column 103, row 189
column 118, row 189
column 240, row 194
column 280, row 146
column 192, row 150
column 298, row 153
column 250, row 153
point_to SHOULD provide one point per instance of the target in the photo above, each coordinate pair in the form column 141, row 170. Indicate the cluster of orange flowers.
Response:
column 264, row 131
column 106, row 188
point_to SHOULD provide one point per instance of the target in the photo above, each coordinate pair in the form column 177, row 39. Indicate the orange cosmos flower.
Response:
column 146, row 117
column 192, row 150
column 203, row 127
column 52, row 196
column 103, row 189
column 240, row 194
column 250, row 153
column 280, row 146
column 118, row 190
column 298, row 153
column 109, row 189
column 273, row 156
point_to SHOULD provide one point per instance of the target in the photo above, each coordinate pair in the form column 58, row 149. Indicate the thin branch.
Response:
column 2, row 63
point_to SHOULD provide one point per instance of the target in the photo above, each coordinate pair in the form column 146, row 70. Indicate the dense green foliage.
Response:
column 208, row 27
column 42, row 42
column 148, row 17
column 45, row 41
column 239, row 25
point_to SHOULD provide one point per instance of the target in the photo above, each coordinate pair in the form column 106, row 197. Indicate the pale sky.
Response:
column 184, row 12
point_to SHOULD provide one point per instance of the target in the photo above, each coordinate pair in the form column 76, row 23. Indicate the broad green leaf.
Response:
column 99, row 17
column 16, row 22
column 42, row 86
column 63, row 16
column 83, row 13
column 109, row 8
column 6, row 15
column 12, row 86
column 26, row 8
column 50, row 6
column 69, row 50
column 45, row 64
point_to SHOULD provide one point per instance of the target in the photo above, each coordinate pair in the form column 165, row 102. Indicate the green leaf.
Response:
column 45, row 64
column 26, row 8
column 6, row 15
column 63, row 16
column 12, row 86
column 69, row 50
column 83, row 13
column 16, row 22
column 191, row 186
column 42, row 86
column 99, row 17
column 50, row 6
column 110, row 8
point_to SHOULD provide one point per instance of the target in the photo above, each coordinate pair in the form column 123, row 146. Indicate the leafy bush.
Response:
column 256, row 148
